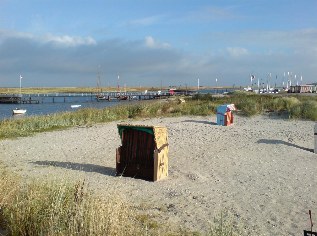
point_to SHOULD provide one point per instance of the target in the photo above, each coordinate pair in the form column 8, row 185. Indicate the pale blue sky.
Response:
column 173, row 42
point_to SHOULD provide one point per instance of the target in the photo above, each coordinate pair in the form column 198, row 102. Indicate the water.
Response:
column 46, row 106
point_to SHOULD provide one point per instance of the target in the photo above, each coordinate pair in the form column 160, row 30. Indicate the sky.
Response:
column 76, row 43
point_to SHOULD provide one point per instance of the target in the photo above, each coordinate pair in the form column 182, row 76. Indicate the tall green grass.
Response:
column 88, row 116
column 298, row 107
column 306, row 110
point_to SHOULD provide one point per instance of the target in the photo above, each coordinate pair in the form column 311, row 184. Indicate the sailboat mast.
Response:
column 98, row 80
column 20, row 85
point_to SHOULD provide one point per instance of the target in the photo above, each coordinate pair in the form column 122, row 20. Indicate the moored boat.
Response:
column 100, row 97
column 18, row 111
column 75, row 106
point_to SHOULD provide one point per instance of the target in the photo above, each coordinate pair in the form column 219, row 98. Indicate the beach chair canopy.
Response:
column 225, row 108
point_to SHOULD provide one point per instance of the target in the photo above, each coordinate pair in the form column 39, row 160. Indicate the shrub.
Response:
column 249, row 107
column 277, row 104
column 305, row 110
column 203, row 97
column 295, row 112
column 290, row 102
column 309, row 110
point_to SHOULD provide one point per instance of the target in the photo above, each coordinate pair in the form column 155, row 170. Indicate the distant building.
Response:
column 306, row 88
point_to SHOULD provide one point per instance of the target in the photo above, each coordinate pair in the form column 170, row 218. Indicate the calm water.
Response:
column 46, row 106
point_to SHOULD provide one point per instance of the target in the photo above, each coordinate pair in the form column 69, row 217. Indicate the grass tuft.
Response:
column 51, row 208
column 225, row 225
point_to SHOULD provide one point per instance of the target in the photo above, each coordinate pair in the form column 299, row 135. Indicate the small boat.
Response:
column 100, row 97
column 18, row 111
column 122, row 97
column 75, row 106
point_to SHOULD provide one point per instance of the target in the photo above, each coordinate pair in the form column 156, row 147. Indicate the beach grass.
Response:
column 62, row 208
column 225, row 225
column 297, row 107
column 55, row 207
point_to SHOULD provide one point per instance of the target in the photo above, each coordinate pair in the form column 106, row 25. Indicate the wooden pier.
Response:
column 7, row 98
column 16, row 99
column 64, row 97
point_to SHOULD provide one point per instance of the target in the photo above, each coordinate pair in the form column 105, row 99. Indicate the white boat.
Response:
column 100, row 97
column 75, row 106
column 18, row 111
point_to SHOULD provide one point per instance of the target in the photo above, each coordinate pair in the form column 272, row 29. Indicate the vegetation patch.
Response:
column 298, row 107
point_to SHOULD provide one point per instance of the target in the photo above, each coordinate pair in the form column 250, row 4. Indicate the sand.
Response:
column 261, row 169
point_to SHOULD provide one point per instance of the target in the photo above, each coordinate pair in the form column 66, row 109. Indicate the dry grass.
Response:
column 54, row 208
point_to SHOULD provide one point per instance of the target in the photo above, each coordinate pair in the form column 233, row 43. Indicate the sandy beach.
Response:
column 261, row 169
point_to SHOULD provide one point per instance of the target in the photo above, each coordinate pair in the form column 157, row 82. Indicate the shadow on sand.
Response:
column 201, row 122
column 275, row 141
column 79, row 166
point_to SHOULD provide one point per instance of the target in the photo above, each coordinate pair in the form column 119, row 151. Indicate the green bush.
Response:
column 277, row 104
column 305, row 110
column 309, row 110
column 249, row 107
column 295, row 112
column 290, row 102
column 203, row 97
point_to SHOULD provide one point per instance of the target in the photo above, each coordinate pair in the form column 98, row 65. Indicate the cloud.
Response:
column 43, row 63
column 237, row 51
column 7, row 34
column 52, row 60
column 67, row 40
column 212, row 13
column 64, row 40
column 146, row 21
column 151, row 43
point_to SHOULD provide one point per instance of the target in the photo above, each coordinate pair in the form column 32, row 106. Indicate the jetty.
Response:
column 16, row 99
column 101, row 96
